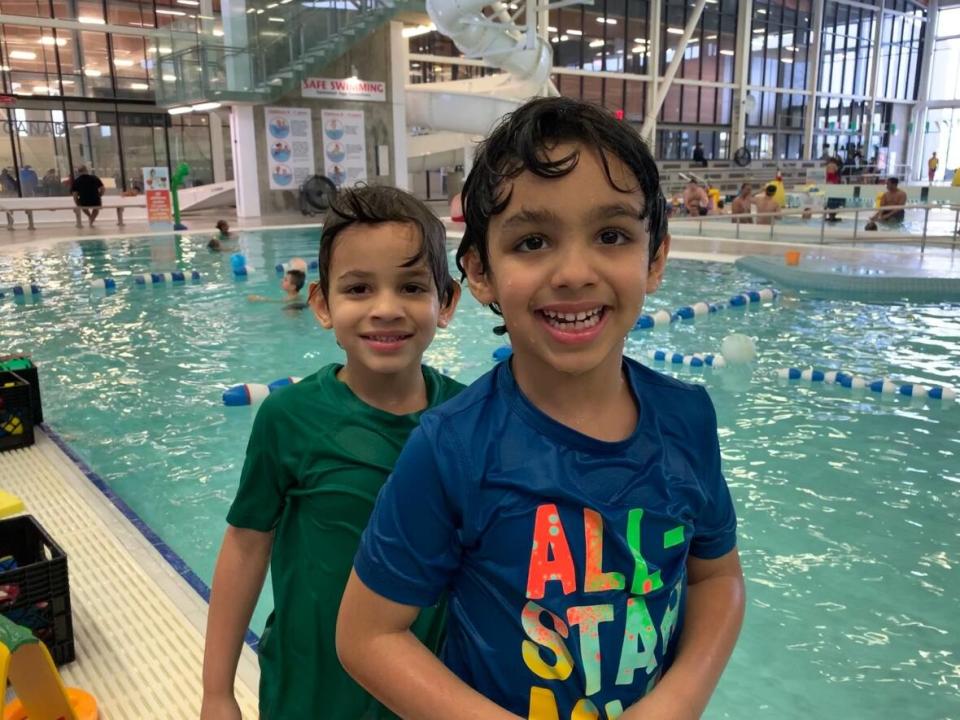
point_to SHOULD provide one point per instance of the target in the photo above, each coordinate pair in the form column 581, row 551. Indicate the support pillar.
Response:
column 653, row 67
column 741, row 74
column 399, row 73
column 216, row 147
column 243, row 136
column 813, row 83
column 918, row 113
column 874, row 76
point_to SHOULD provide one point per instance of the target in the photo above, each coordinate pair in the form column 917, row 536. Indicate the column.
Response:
column 654, row 34
column 239, row 66
column 399, row 70
column 874, row 75
column 243, row 136
column 813, row 72
column 216, row 147
column 918, row 114
column 741, row 74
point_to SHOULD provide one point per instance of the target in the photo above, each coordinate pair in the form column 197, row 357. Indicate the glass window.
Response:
column 190, row 144
column 144, row 143
column 130, row 67
column 93, row 143
column 41, row 145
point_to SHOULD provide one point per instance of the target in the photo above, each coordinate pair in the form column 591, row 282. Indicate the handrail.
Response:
column 727, row 219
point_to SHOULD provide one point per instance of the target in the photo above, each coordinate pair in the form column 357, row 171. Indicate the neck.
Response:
column 291, row 295
column 399, row 393
column 597, row 403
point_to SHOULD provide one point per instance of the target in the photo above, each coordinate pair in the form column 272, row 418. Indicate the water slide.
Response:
column 474, row 106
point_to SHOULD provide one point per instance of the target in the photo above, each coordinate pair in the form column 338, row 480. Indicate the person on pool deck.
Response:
column 87, row 190
column 894, row 198
column 319, row 453
column 743, row 205
column 291, row 284
column 768, row 209
column 571, row 501
column 695, row 199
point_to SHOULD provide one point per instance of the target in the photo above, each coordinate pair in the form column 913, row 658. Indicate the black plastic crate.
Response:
column 16, row 412
column 37, row 593
column 31, row 375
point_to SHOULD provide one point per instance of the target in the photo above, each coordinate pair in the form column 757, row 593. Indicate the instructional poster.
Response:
column 344, row 146
column 289, row 146
column 156, row 185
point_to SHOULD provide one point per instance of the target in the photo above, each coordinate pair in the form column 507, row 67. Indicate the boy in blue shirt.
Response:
column 571, row 501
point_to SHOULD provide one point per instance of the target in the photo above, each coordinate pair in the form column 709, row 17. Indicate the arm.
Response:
column 377, row 649
column 237, row 581
column 715, row 606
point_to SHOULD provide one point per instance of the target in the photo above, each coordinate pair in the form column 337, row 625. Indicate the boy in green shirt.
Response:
column 319, row 452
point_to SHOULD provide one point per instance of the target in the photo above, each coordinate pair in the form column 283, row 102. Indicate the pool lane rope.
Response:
column 253, row 393
column 21, row 290
column 283, row 268
column 687, row 312
column 109, row 284
column 884, row 386
column 714, row 360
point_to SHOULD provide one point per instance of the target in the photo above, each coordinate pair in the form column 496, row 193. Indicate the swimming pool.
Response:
column 849, row 504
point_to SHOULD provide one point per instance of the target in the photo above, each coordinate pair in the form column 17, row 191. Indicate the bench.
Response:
column 65, row 202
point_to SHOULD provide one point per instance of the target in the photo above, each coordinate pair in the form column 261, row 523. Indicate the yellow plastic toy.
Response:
column 781, row 194
column 10, row 504
column 876, row 202
column 41, row 694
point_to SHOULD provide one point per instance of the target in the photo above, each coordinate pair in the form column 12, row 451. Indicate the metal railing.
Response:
column 827, row 215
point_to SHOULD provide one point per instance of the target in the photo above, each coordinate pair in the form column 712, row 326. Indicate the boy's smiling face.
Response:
column 568, row 264
column 383, row 314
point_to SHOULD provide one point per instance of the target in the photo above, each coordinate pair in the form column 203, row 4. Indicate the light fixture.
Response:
column 354, row 75
column 693, row 40
column 67, row 82
column 789, row 48
column 638, row 49
column 575, row 32
column 4, row 68
column 169, row 78
column 201, row 107
column 47, row 40
column 761, row 11
column 190, row 3
column 726, row 52
column 180, row 110
column 596, row 43
column 175, row 13
column 554, row 39
column 758, row 31
column 87, row 20
column 163, row 49
column 564, row 38
column 711, row 37
column 275, row 19
column 123, row 62
column 788, row 61
column 91, row 72
column 22, row 55
column 40, row 88
column 410, row 32
column 217, row 32
column 551, row 28
column 85, row 125
column 608, row 21
column 271, row 6
column 139, row 86
column 675, row 31
column 640, row 41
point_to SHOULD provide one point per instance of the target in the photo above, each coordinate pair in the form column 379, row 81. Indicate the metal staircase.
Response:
column 265, row 53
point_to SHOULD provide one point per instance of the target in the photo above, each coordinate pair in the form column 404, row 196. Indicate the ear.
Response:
column 446, row 312
column 319, row 305
column 659, row 264
column 478, row 279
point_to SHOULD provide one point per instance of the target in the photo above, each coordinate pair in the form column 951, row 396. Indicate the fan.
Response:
column 317, row 194
column 742, row 157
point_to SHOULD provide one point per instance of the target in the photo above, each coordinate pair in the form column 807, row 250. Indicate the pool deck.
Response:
column 138, row 625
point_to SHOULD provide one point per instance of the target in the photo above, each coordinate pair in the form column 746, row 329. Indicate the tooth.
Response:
column 581, row 316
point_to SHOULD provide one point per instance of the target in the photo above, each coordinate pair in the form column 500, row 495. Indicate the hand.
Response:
column 256, row 298
column 220, row 707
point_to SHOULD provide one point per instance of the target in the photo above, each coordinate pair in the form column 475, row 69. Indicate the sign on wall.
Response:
column 156, row 185
column 289, row 146
column 344, row 146
column 344, row 89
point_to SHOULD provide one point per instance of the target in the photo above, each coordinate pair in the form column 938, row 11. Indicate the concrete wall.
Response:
column 371, row 56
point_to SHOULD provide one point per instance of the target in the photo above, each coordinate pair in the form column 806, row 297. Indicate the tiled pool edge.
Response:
column 177, row 563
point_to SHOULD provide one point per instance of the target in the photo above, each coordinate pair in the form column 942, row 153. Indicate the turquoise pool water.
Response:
column 849, row 505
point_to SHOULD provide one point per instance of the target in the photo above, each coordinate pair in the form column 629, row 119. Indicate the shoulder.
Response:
column 445, row 387
column 685, row 404
column 461, row 421
column 290, row 401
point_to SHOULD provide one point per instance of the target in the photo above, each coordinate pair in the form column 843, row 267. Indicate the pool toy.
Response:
column 884, row 386
column 107, row 284
column 176, row 182
column 253, row 393
column 738, row 349
column 239, row 265
column 25, row 289
column 10, row 504
column 159, row 278
column 699, row 309
column 781, row 194
column 694, row 360
column 41, row 694
column 288, row 266
column 502, row 353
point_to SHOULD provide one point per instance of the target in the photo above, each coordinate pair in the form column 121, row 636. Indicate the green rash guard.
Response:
column 316, row 460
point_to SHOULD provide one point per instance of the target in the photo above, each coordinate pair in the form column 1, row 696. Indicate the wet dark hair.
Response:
column 519, row 143
column 770, row 189
column 221, row 224
column 299, row 277
column 372, row 204
column 895, row 181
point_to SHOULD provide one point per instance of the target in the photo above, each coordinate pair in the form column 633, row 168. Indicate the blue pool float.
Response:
column 253, row 393
column 699, row 309
column 25, row 289
column 239, row 265
column 883, row 386
column 715, row 360
column 502, row 353
column 159, row 278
